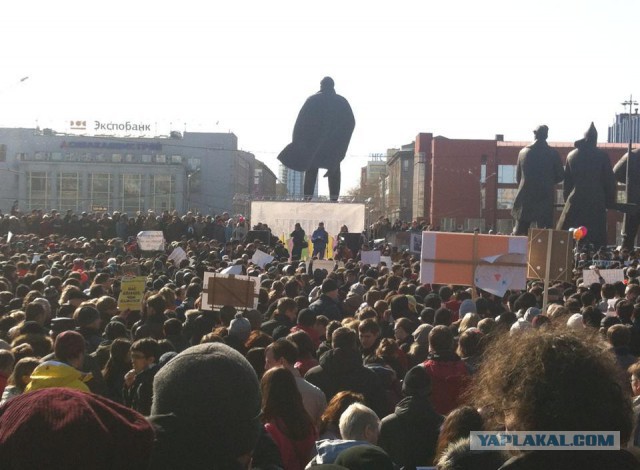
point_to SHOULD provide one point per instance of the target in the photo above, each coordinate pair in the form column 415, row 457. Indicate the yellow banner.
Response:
column 131, row 293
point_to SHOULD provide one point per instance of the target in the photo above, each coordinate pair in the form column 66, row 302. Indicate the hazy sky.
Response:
column 462, row 69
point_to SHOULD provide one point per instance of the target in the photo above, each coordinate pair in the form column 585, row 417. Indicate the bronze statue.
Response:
column 321, row 137
column 631, row 218
column 589, row 189
column 539, row 170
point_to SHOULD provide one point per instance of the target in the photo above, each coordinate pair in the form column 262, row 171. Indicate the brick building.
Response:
column 461, row 184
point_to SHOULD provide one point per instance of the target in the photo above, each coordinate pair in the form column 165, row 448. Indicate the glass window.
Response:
column 37, row 190
column 506, row 196
column 100, row 191
column 504, row 226
column 448, row 224
column 163, row 188
column 507, row 174
column 131, row 193
column 68, row 191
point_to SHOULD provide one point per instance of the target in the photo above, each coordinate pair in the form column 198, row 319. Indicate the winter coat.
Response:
column 589, row 189
column 140, row 394
column 410, row 434
column 449, row 378
column 327, row 450
column 539, row 169
column 341, row 369
column 57, row 374
column 321, row 134
column 570, row 459
column 278, row 327
column 328, row 307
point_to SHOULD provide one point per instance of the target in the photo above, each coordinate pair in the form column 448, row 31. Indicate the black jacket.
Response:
column 328, row 307
column 409, row 435
column 341, row 369
column 569, row 460
column 279, row 326
column 140, row 395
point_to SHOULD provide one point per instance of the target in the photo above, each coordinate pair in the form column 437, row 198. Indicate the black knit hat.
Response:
column 416, row 382
column 213, row 395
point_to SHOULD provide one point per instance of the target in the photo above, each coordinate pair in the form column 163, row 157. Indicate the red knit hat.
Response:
column 59, row 428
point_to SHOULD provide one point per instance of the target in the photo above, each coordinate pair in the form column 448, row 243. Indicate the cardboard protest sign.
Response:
column 233, row 269
column 370, row 257
column 260, row 258
column 552, row 247
column 224, row 289
column 610, row 276
column 131, row 293
column 177, row 256
column 455, row 258
column 387, row 260
column 151, row 240
column 324, row 264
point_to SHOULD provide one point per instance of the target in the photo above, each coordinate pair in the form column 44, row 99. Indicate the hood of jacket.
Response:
column 417, row 408
column 329, row 449
column 51, row 374
column 341, row 361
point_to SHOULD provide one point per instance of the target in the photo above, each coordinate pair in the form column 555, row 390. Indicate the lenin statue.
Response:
column 320, row 138
column 631, row 219
column 589, row 189
column 539, row 170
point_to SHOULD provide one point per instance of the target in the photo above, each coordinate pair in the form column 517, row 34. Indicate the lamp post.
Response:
column 630, row 102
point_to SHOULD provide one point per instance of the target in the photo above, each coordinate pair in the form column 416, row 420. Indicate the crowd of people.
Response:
column 357, row 367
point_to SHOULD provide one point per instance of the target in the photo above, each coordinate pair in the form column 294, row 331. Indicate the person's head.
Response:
column 458, row 424
column 306, row 349
column 69, row 348
column 7, row 361
column 336, row 406
column 541, row 132
column 634, row 373
column 144, row 353
column 368, row 333
column 545, row 380
column 359, row 423
column 62, row 421
column 403, row 328
column 440, row 339
column 330, row 288
column 280, row 353
column 344, row 338
column 619, row 336
column 210, row 396
column 470, row 343
column 21, row 374
column 287, row 307
column 417, row 382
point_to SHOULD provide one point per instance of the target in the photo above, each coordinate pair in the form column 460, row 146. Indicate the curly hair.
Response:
column 552, row 380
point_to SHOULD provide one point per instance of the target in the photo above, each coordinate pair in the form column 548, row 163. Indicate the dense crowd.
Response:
column 358, row 367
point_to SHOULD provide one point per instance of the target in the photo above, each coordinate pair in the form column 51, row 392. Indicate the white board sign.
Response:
column 610, row 276
column 370, row 257
column 151, row 240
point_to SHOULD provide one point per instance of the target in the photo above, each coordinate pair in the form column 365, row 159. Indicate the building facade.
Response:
column 400, row 182
column 196, row 171
column 625, row 126
column 294, row 182
column 463, row 184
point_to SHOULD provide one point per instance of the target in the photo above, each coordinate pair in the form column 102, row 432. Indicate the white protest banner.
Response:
column 260, row 258
column 234, row 269
column 610, row 276
column 370, row 257
column 387, row 260
column 177, row 255
column 151, row 240
column 324, row 264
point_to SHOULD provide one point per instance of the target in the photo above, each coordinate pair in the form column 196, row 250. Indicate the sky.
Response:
column 460, row 69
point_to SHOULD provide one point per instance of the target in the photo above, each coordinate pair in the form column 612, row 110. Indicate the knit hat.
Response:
column 467, row 306
column 365, row 457
column 69, row 344
column 575, row 322
column 329, row 285
column 209, row 396
column 531, row 313
column 86, row 315
column 240, row 327
column 358, row 289
column 59, row 428
column 421, row 334
column 520, row 325
column 417, row 382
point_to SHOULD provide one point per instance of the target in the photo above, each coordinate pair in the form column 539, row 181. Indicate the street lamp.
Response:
column 630, row 102
column 482, row 188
